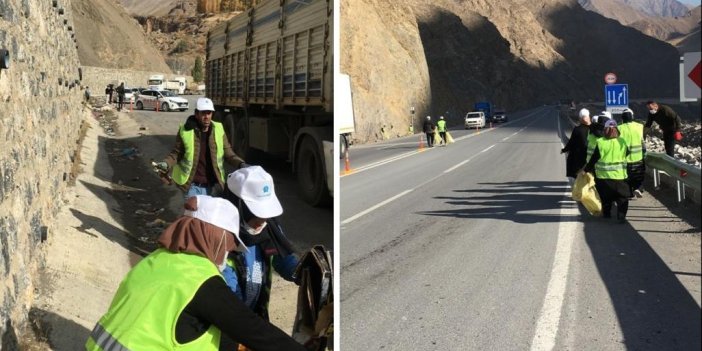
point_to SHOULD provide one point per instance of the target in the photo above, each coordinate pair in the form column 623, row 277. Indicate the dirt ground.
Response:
column 117, row 210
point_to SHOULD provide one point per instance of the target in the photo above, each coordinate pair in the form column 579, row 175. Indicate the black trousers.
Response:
column 669, row 142
column 443, row 137
column 612, row 190
column 636, row 172
column 121, row 102
column 430, row 139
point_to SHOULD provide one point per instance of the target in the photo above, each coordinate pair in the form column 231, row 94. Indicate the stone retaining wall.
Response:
column 40, row 119
column 97, row 78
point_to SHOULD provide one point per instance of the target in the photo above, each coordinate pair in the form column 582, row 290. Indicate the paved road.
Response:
column 476, row 246
column 304, row 224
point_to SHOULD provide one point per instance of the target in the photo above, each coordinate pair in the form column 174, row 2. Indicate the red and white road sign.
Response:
column 610, row 78
column 692, row 75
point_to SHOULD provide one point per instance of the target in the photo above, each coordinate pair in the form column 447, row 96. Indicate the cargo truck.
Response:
column 343, row 109
column 484, row 107
column 176, row 85
column 269, row 73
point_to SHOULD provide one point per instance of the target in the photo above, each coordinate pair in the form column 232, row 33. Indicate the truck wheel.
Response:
column 311, row 175
column 139, row 106
column 164, row 107
column 343, row 145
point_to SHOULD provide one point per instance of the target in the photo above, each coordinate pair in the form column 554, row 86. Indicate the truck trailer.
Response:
column 269, row 73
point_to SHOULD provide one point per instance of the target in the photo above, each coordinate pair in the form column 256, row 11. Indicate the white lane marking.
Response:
column 365, row 212
column 401, row 156
column 456, row 166
column 550, row 316
column 488, row 148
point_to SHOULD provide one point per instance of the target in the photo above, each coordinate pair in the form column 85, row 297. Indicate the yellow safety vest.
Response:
column 612, row 162
column 632, row 133
column 591, row 143
column 146, row 307
column 181, row 172
column 441, row 125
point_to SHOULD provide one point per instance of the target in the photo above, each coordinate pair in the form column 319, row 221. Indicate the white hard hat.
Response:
column 584, row 112
column 428, row 117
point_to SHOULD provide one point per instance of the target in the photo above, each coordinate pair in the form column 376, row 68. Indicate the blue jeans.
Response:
column 198, row 190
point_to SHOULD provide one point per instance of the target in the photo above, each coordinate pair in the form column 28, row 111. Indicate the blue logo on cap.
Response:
column 266, row 189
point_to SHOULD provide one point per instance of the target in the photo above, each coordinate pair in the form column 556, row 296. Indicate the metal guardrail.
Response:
column 683, row 173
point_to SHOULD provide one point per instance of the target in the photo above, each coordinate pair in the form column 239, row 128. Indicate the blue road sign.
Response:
column 617, row 95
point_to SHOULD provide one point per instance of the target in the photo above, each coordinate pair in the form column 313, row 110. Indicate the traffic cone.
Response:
column 347, row 162
column 421, row 142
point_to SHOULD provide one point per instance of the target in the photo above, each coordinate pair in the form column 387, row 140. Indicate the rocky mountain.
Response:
column 442, row 56
column 108, row 37
column 628, row 11
column 671, row 29
column 667, row 20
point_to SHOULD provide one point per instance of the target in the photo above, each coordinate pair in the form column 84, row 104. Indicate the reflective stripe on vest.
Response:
column 181, row 172
column 102, row 339
column 591, row 143
column 146, row 307
column 612, row 162
column 632, row 133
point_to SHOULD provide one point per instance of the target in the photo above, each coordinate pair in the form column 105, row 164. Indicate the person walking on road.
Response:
column 176, row 298
column 120, row 96
column 249, row 274
column 441, row 127
column 108, row 94
column 429, row 131
column 577, row 145
column 632, row 133
column 669, row 122
column 196, row 162
column 86, row 94
column 608, row 162
column 596, row 132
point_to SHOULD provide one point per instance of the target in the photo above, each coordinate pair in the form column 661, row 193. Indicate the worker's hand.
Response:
column 678, row 136
column 163, row 166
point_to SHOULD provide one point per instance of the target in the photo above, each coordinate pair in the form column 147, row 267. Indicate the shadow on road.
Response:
column 655, row 311
column 516, row 201
column 62, row 334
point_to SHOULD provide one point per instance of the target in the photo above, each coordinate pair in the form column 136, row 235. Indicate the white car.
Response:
column 163, row 100
column 475, row 120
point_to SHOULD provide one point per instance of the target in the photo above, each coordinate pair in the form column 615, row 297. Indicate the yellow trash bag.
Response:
column 449, row 138
column 584, row 191
column 437, row 137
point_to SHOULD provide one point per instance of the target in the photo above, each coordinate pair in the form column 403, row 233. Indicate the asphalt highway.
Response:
column 478, row 246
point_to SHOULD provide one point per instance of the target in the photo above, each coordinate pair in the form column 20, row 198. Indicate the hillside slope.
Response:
column 443, row 56
column 109, row 37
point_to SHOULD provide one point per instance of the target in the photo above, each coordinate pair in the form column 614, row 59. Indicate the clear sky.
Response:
column 691, row 2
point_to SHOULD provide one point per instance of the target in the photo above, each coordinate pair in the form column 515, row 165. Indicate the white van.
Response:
column 475, row 120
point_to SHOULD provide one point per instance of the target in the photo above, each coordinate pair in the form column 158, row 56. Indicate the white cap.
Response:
column 218, row 212
column 584, row 112
column 204, row 104
column 441, row 117
column 607, row 114
column 428, row 117
column 255, row 187
column 594, row 119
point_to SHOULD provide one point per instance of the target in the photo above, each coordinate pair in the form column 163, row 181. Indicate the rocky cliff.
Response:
column 110, row 38
column 443, row 56
column 40, row 118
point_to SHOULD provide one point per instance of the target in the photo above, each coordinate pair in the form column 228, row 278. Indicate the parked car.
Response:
column 475, row 120
column 162, row 99
column 499, row 116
